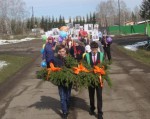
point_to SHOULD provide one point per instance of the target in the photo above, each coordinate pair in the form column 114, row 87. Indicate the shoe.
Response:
column 64, row 116
column 92, row 112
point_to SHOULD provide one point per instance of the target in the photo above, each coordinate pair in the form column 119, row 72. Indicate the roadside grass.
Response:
column 15, row 63
column 139, row 55
column 11, row 37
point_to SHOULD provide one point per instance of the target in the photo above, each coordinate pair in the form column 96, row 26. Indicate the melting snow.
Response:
column 135, row 46
column 2, row 64
column 3, row 42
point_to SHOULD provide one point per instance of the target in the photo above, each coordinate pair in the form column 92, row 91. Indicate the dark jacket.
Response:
column 79, row 52
column 91, row 61
column 48, row 54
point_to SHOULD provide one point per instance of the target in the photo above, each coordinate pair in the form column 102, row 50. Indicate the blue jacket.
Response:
column 48, row 54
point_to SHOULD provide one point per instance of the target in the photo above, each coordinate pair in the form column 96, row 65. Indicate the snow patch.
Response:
column 135, row 46
column 2, row 64
column 4, row 42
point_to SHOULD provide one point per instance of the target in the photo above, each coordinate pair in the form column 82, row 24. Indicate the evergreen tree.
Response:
column 60, row 21
column 53, row 22
column 42, row 23
column 94, row 18
column 91, row 19
column 70, row 21
column 49, row 23
column 77, row 20
column 145, row 9
column 46, row 25
column 35, row 22
column 28, row 23
column 56, row 23
column 63, row 21
column 32, row 23
column 87, row 19
column 83, row 21
column 74, row 22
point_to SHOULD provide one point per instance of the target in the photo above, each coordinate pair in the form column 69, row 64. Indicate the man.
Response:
column 93, row 58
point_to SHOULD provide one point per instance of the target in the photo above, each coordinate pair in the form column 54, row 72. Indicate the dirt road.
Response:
column 129, row 97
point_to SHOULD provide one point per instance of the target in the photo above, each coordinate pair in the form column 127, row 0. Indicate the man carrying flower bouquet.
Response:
column 94, row 58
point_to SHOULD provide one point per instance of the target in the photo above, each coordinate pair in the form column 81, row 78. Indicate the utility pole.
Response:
column 145, row 17
column 32, row 17
column 119, row 14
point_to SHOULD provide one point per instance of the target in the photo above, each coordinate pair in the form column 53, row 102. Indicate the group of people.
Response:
column 81, row 49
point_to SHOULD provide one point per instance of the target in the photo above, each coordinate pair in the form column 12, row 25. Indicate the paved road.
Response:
column 129, row 97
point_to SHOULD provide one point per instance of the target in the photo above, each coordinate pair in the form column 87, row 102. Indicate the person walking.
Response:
column 77, row 50
column 93, row 58
column 64, row 91
column 106, row 46
column 49, row 48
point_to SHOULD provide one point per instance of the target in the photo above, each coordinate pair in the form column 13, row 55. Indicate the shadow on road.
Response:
column 47, row 102
column 79, row 103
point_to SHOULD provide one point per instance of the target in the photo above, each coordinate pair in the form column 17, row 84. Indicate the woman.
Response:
column 106, row 47
column 48, row 54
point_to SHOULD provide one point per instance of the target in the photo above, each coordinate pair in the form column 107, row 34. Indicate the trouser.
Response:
column 99, row 100
column 65, row 93
column 107, row 52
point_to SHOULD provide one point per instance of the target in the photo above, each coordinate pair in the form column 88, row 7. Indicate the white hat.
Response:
column 87, row 48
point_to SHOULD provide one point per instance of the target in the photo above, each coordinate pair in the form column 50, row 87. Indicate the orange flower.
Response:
column 99, row 70
column 79, row 69
column 52, row 68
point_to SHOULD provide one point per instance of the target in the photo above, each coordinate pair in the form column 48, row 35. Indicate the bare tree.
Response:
column 108, row 13
column 12, row 16
column 137, row 14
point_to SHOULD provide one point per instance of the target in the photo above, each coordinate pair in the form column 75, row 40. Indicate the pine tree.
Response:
column 91, row 19
column 81, row 22
column 42, row 23
column 60, row 21
column 46, row 24
column 145, row 9
column 70, row 21
column 63, row 21
column 87, row 19
column 77, row 20
column 53, row 22
column 94, row 18
column 49, row 23
column 28, row 24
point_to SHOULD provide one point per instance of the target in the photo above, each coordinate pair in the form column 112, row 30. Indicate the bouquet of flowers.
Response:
column 79, row 74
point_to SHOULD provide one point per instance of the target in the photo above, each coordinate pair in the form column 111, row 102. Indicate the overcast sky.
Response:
column 69, row 8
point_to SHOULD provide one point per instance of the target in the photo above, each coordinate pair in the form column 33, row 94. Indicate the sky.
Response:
column 68, row 8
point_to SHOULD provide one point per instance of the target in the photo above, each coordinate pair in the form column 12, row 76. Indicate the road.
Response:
column 31, row 98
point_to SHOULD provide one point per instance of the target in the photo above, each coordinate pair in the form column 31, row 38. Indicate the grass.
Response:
column 139, row 55
column 11, row 37
column 15, row 63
